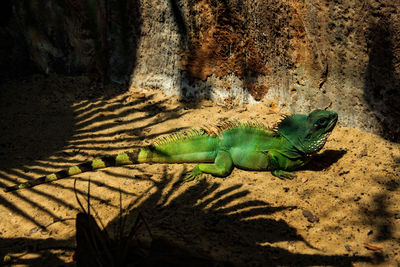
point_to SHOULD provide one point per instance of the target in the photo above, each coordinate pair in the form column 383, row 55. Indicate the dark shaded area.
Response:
column 378, row 212
column 40, row 119
column 235, row 231
column 382, row 81
column 41, row 247
column 97, row 38
column 180, row 20
column 324, row 160
column 225, row 227
column 95, row 246
column 14, row 51
column 5, row 12
column 44, row 124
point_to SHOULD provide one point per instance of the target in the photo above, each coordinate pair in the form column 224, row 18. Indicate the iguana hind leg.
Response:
column 221, row 167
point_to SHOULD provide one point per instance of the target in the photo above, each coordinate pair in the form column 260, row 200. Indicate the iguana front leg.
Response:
column 275, row 160
column 283, row 174
column 221, row 167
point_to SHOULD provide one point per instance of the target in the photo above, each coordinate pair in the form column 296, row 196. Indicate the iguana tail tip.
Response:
column 10, row 189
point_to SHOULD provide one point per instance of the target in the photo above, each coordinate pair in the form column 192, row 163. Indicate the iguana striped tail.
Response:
column 124, row 158
column 192, row 146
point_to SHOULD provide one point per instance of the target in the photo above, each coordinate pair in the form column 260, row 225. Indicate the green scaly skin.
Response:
column 248, row 146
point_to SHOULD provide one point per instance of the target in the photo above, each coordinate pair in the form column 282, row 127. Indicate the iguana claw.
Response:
column 193, row 174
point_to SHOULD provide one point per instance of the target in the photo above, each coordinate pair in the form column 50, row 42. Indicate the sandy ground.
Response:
column 346, row 200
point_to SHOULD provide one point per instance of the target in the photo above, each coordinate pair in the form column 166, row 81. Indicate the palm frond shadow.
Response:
column 202, row 224
column 213, row 223
column 57, row 126
column 378, row 214
column 47, row 252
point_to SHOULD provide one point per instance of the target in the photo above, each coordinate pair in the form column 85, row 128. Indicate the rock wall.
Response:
column 297, row 54
column 342, row 55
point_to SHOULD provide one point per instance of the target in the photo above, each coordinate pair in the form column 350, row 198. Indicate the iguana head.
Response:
column 308, row 133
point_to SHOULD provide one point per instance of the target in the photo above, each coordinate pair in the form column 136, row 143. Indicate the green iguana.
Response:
column 250, row 146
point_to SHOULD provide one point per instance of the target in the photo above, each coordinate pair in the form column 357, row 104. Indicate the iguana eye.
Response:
column 322, row 121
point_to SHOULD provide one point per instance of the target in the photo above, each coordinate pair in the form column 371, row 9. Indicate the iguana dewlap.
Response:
column 249, row 146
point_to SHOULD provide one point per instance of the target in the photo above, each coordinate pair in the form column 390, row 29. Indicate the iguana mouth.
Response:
column 319, row 144
column 331, row 125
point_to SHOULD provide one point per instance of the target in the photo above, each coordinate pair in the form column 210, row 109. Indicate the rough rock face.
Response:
column 299, row 54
